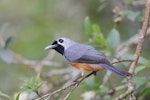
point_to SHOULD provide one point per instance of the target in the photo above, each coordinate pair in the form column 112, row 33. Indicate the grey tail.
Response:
column 116, row 70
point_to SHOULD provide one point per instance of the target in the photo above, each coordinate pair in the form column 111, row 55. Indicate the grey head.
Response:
column 61, row 44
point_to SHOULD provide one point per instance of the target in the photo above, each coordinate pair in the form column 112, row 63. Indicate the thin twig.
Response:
column 124, row 60
column 137, row 55
column 19, row 59
column 57, row 91
column 75, row 84
column 39, row 95
column 111, row 91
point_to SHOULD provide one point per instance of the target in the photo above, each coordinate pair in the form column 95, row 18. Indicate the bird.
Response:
column 84, row 57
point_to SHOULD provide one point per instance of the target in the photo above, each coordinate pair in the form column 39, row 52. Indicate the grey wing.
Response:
column 74, row 52
column 87, row 54
column 93, row 57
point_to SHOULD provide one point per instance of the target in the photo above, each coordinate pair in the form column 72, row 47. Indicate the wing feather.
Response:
column 85, row 54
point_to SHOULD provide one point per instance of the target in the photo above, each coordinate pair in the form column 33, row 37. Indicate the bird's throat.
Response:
column 60, row 49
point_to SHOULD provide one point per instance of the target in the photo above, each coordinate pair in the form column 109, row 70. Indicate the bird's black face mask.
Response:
column 58, row 48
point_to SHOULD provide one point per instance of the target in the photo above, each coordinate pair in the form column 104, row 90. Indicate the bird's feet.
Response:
column 94, row 73
column 76, row 82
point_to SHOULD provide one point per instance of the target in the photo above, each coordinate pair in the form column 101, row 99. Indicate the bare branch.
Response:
column 137, row 54
column 124, row 60
column 74, row 84
column 59, row 71
column 18, row 59
column 116, row 89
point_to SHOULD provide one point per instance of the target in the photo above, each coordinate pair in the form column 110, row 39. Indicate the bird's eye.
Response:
column 61, row 40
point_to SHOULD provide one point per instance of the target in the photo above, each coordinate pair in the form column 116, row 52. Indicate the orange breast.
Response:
column 86, row 67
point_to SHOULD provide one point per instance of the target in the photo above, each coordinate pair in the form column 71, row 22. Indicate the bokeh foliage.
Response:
column 28, row 26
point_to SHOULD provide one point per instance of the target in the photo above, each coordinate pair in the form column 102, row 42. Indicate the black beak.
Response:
column 51, row 46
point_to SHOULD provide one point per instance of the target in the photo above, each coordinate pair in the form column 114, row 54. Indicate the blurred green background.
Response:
column 34, row 24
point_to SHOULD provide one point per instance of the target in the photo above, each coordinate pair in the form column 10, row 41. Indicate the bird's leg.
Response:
column 79, row 77
column 94, row 73
column 82, row 73
column 82, row 77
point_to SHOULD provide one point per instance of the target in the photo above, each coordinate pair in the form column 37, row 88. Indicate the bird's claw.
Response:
column 76, row 82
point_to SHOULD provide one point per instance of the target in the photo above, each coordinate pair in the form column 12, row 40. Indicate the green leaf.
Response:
column 143, row 61
column 144, row 93
column 87, row 26
column 7, row 43
column 4, row 95
column 37, row 79
column 26, row 88
column 96, row 29
column 32, row 85
column 148, row 64
column 140, row 81
column 31, row 80
column 101, row 40
column 133, row 15
column 101, row 7
column 113, row 39
column 139, row 68
column 18, row 95
column 26, row 80
column 6, row 56
column 3, row 28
